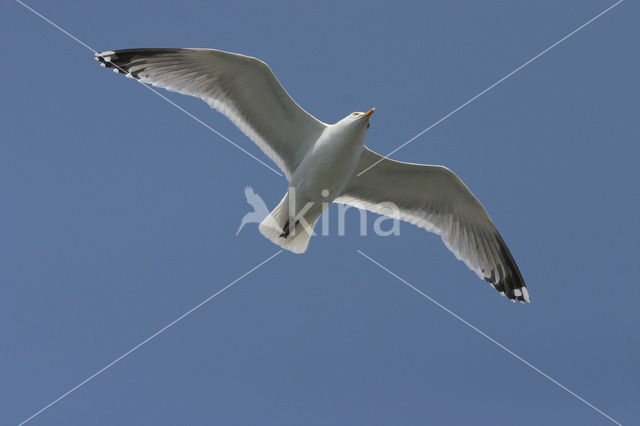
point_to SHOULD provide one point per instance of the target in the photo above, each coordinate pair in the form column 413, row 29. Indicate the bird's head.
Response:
column 359, row 118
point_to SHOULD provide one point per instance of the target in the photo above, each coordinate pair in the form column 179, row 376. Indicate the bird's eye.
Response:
column 355, row 113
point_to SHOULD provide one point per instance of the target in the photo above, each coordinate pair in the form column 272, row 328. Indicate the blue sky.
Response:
column 119, row 214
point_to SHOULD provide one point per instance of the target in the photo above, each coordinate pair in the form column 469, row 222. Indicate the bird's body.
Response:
column 326, row 163
column 330, row 163
column 319, row 179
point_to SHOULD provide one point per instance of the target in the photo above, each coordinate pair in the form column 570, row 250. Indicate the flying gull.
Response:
column 322, row 161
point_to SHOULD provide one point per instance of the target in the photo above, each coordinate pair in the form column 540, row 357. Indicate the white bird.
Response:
column 322, row 161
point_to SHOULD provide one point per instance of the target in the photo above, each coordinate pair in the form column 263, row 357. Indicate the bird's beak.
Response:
column 368, row 113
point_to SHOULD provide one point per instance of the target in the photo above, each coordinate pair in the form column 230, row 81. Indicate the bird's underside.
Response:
column 245, row 90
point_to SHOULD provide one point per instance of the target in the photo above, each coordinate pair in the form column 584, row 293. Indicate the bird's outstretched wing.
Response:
column 241, row 87
column 434, row 198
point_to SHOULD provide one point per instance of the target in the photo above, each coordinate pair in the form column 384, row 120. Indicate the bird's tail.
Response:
column 274, row 227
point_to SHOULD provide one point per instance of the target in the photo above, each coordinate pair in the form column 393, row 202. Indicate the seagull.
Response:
column 324, row 163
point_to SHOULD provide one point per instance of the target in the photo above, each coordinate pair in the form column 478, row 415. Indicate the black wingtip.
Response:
column 510, row 283
column 119, row 61
column 512, row 291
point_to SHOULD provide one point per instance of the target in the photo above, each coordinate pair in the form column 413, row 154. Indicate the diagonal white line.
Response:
column 136, row 347
column 157, row 93
column 491, row 339
column 386, row 157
